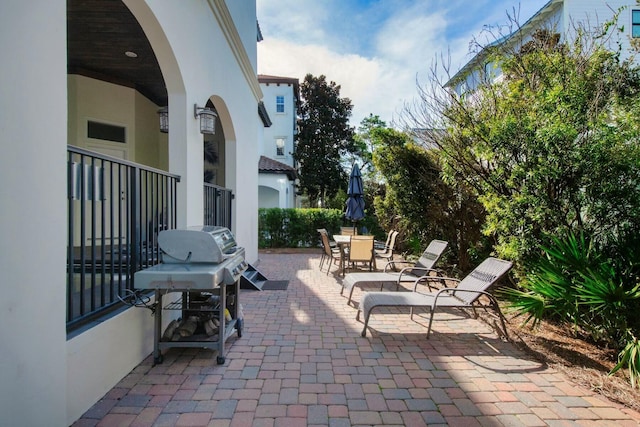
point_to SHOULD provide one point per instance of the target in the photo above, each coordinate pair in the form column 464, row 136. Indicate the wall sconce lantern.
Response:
column 207, row 119
column 163, row 113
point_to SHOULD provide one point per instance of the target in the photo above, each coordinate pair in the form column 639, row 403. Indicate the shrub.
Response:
column 630, row 356
column 295, row 228
column 574, row 281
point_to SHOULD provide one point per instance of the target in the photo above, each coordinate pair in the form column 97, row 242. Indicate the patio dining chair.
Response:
column 467, row 294
column 411, row 271
column 387, row 252
column 332, row 243
column 380, row 245
column 329, row 253
column 361, row 250
column 348, row 231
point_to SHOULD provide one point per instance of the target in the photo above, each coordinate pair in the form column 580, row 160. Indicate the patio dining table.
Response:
column 344, row 241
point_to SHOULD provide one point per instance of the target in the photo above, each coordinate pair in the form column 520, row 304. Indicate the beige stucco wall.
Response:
column 95, row 100
column 217, row 62
column 33, row 183
column 150, row 143
column 45, row 379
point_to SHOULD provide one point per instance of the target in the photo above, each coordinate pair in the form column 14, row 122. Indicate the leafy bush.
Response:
column 549, row 147
column 630, row 356
column 294, row 228
column 422, row 206
column 574, row 281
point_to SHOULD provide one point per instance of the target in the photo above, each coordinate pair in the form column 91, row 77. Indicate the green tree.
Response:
column 365, row 143
column 552, row 152
column 374, row 182
column 420, row 203
column 323, row 139
column 550, row 148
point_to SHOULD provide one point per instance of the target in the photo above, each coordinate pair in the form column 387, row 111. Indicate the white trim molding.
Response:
column 223, row 16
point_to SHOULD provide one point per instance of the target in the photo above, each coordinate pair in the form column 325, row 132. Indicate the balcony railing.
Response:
column 115, row 211
column 217, row 205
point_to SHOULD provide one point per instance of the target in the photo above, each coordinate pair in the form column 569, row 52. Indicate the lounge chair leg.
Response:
column 502, row 321
column 504, row 328
column 350, row 294
column 430, row 322
column 366, row 322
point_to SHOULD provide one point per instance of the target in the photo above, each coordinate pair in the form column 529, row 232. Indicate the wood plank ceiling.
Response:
column 99, row 32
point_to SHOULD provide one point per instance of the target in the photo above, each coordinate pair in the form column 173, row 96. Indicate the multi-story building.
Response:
column 557, row 16
column 277, row 169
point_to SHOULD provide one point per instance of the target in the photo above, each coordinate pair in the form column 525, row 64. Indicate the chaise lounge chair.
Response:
column 465, row 295
column 408, row 274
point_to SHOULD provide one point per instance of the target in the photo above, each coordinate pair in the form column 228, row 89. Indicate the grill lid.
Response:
column 197, row 244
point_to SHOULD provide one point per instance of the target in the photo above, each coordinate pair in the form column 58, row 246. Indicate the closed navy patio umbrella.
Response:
column 355, row 202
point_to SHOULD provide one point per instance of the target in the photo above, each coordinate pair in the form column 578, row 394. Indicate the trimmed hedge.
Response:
column 295, row 228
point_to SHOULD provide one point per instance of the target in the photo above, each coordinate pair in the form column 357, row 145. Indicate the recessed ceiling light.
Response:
column 131, row 54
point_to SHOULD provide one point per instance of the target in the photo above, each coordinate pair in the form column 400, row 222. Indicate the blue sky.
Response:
column 376, row 49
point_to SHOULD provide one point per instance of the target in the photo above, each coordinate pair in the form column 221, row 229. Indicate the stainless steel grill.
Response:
column 203, row 264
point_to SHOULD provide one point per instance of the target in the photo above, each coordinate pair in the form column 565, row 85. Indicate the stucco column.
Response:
column 33, row 186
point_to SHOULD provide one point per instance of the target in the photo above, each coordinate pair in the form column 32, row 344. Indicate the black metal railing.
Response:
column 115, row 211
column 217, row 205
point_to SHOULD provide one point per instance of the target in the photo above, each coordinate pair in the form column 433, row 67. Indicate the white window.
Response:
column 280, row 146
column 279, row 104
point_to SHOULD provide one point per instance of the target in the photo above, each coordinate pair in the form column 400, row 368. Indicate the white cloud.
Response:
column 303, row 36
column 301, row 21
column 356, row 75
column 406, row 34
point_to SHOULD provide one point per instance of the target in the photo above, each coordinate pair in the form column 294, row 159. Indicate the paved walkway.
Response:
column 302, row 362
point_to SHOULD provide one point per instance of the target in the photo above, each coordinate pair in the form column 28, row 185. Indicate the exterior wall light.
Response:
column 163, row 113
column 207, row 119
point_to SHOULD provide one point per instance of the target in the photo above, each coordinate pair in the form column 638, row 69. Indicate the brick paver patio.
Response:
column 302, row 362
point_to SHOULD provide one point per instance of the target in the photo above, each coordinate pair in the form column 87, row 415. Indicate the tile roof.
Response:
column 273, row 166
